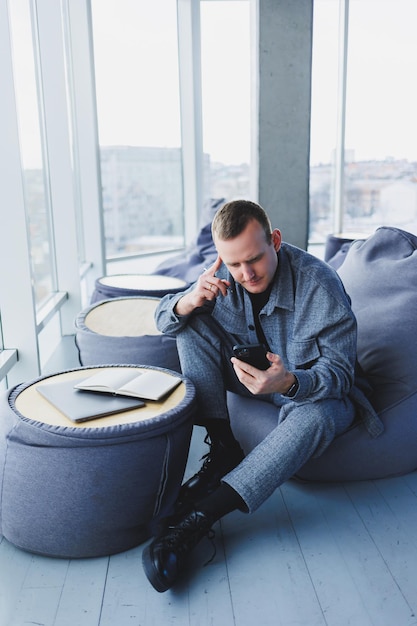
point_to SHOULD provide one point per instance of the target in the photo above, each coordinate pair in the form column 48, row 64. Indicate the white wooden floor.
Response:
column 323, row 554
column 313, row 554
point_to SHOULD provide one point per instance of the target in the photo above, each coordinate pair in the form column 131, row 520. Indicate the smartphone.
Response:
column 254, row 354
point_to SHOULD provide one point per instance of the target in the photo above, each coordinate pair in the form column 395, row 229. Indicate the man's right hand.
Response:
column 207, row 288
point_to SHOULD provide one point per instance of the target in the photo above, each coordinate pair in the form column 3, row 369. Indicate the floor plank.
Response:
column 395, row 538
column 349, row 574
column 82, row 595
column 36, row 596
column 14, row 566
column 269, row 581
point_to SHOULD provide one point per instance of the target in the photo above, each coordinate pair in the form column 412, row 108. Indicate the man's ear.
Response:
column 276, row 239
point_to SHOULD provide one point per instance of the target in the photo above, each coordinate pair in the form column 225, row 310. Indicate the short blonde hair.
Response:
column 233, row 217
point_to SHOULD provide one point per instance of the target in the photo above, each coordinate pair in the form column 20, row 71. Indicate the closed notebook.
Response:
column 82, row 406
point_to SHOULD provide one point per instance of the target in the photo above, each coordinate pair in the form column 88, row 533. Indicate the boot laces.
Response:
column 183, row 536
column 206, row 458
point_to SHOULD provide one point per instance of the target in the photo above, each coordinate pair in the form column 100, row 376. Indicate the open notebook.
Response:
column 148, row 385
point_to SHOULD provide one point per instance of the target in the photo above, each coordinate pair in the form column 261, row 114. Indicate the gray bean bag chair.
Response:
column 380, row 275
column 338, row 259
column 334, row 243
column 200, row 254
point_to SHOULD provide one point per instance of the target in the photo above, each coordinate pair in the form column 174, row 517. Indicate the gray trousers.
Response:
column 304, row 429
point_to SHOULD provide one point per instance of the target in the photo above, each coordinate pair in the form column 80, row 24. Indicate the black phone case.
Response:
column 254, row 354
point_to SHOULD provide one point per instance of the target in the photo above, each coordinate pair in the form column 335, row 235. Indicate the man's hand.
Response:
column 207, row 288
column 275, row 379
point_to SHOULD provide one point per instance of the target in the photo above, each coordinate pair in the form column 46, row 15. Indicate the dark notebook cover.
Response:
column 81, row 406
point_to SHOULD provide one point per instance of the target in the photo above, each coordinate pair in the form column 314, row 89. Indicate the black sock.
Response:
column 222, row 501
column 219, row 430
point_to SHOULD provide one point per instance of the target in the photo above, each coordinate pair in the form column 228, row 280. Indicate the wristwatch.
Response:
column 292, row 390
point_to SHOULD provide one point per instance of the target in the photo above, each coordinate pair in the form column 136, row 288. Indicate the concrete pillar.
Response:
column 281, row 126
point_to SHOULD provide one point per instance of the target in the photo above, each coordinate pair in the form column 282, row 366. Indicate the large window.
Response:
column 380, row 140
column 32, row 152
column 136, row 69
column 323, row 117
column 381, row 125
column 226, row 95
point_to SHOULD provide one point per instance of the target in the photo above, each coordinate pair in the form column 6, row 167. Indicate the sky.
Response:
column 381, row 93
column 381, row 90
column 137, row 77
column 137, row 74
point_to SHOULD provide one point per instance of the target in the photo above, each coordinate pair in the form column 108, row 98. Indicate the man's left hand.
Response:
column 275, row 379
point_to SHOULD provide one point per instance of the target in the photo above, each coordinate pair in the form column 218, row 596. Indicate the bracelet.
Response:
column 292, row 390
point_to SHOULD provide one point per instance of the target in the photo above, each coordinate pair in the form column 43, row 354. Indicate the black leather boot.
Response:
column 218, row 462
column 164, row 558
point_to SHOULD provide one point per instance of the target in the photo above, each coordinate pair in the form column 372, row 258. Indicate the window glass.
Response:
column 381, row 123
column 36, row 197
column 226, row 96
column 137, row 86
column 380, row 172
column 324, row 104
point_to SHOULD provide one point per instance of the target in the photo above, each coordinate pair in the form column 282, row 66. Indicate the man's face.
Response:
column 250, row 259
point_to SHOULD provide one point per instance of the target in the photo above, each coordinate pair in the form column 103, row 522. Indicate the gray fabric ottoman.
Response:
column 123, row 285
column 123, row 331
column 380, row 276
column 91, row 489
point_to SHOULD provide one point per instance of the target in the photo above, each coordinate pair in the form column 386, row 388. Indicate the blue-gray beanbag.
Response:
column 200, row 254
column 380, row 276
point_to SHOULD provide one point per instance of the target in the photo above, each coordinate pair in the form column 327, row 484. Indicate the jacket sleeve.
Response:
column 166, row 319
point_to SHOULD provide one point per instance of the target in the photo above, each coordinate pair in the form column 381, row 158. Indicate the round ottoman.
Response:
column 121, row 285
column 123, row 330
column 94, row 488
